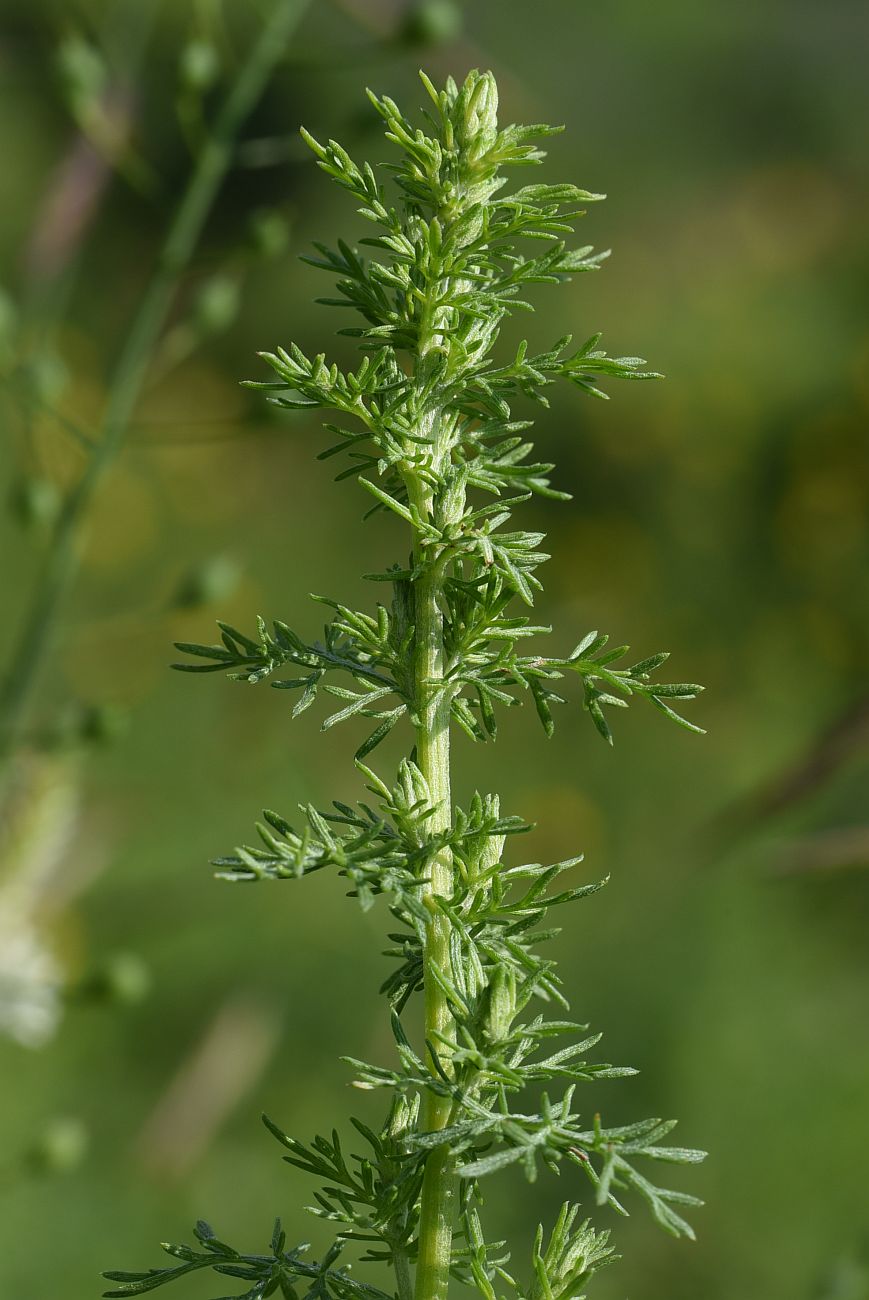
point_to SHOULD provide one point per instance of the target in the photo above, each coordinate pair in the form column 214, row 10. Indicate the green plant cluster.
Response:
column 427, row 424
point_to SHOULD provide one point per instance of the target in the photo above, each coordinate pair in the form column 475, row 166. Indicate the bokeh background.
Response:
column 721, row 514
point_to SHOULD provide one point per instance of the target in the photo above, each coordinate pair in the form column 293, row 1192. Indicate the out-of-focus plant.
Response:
column 427, row 423
column 215, row 301
column 41, row 758
column 39, row 802
column 431, row 22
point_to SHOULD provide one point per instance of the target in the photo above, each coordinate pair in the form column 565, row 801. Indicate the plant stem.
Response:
column 62, row 561
column 403, row 1279
column 433, row 759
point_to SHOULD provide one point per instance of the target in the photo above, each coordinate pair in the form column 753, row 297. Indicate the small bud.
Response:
column 199, row 65
column 36, row 502
column 432, row 22
column 211, row 581
column 269, row 232
column 493, row 845
column 100, row 724
column 453, row 494
column 121, row 978
column 502, row 1003
column 60, row 1147
column 84, row 723
column 478, row 102
column 216, row 304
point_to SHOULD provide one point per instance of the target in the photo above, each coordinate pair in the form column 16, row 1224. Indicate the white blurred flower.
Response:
column 38, row 816
column 30, row 980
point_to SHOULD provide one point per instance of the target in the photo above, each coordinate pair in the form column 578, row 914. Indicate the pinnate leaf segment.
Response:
column 426, row 425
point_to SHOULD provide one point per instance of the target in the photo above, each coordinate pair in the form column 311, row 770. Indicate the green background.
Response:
column 722, row 515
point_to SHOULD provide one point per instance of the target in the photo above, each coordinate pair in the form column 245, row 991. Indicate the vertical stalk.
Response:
column 403, row 1279
column 433, row 759
column 61, row 564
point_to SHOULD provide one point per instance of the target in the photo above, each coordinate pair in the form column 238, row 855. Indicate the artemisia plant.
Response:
column 427, row 424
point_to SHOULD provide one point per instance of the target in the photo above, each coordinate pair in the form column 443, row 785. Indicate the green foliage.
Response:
column 479, row 639
column 427, row 426
column 282, row 1272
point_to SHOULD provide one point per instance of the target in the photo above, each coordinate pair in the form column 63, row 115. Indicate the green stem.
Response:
column 433, row 759
column 62, row 561
column 403, row 1279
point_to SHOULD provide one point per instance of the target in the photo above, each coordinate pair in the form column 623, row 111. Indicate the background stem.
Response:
column 62, row 561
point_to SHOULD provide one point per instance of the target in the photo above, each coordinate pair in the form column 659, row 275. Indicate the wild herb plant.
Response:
column 102, row 445
column 38, row 757
column 427, row 424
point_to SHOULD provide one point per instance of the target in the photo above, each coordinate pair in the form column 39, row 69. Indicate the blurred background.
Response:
column 148, row 1013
